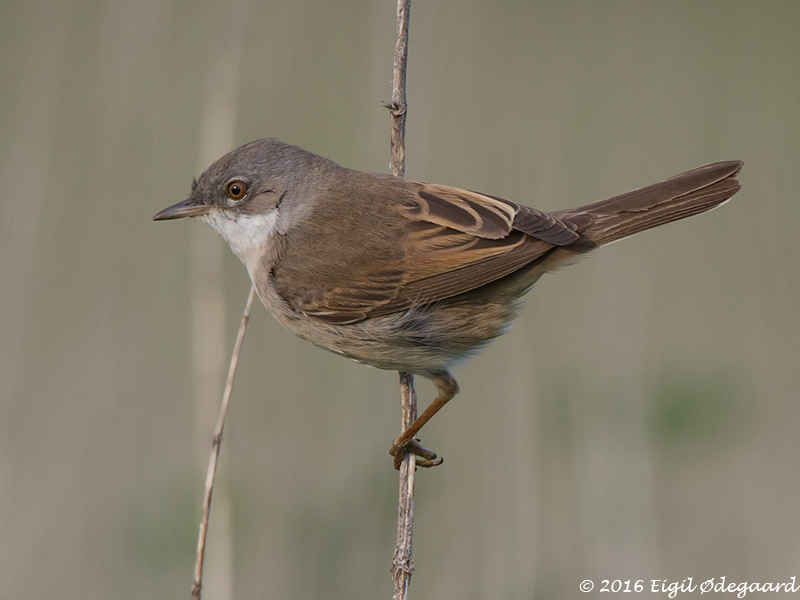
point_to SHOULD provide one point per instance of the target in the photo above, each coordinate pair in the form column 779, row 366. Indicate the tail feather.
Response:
column 690, row 193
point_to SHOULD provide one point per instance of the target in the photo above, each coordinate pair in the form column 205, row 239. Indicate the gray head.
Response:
column 250, row 180
column 240, row 196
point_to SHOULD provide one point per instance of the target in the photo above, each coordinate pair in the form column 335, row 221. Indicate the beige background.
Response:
column 639, row 422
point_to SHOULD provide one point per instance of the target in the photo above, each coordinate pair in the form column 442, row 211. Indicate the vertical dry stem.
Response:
column 197, row 585
column 402, row 563
column 398, row 104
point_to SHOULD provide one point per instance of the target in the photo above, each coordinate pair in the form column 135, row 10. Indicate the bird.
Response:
column 405, row 275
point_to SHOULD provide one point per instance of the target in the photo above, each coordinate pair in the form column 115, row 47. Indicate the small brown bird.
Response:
column 406, row 275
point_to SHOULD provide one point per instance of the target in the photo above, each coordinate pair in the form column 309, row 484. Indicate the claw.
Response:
column 427, row 464
column 427, row 458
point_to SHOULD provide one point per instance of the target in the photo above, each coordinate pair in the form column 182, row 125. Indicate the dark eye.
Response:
column 236, row 189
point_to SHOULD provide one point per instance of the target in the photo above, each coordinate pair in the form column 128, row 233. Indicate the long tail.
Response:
column 682, row 196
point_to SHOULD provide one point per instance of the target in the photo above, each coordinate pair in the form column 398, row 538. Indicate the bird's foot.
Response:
column 425, row 458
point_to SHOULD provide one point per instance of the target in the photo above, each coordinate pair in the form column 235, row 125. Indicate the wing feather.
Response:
column 439, row 242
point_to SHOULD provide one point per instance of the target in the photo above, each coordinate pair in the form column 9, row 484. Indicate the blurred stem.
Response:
column 215, row 447
column 220, row 112
column 402, row 563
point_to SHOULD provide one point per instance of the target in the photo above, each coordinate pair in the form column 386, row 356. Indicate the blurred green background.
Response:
column 639, row 422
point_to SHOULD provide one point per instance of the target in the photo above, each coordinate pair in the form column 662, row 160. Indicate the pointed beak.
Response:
column 187, row 208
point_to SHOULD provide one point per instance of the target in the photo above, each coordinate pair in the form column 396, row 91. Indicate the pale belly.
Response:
column 419, row 340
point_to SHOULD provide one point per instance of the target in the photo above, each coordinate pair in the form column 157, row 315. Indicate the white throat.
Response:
column 247, row 235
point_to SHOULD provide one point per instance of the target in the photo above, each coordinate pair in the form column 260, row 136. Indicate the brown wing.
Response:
column 429, row 243
column 461, row 240
column 486, row 216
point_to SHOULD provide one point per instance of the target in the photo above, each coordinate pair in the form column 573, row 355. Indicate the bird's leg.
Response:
column 447, row 387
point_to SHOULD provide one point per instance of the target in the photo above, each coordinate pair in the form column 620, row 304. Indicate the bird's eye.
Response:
column 236, row 190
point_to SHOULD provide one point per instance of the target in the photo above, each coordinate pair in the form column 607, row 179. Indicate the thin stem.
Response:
column 197, row 585
column 398, row 105
column 403, row 563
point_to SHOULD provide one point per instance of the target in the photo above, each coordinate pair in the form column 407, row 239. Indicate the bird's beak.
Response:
column 187, row 208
